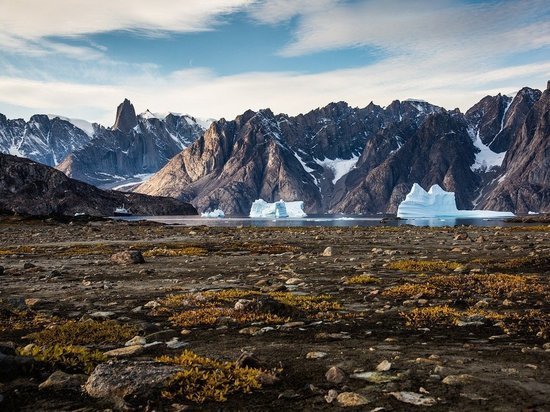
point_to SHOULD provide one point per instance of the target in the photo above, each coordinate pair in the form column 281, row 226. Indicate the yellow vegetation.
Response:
column 409, row 290
column 185, row 251
column 204, row 379
column 210, row 316
column 413, row 265
column 72, row 358
column 497, row 286
column 206, row 308
column 88, row 332
column 362, row 280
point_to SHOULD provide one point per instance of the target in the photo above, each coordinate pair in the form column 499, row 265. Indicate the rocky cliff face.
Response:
column 45, row 139
column 363, row 160
column 135, row 145
column 27, row 187
column 524, row 182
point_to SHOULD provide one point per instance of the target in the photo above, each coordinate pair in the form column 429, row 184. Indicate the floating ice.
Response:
column 438, row 203
column 260, row 208
column 213, row 213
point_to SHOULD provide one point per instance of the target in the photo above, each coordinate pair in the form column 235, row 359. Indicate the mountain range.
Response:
column 364, row 160
column 336, row 159
column 135, row 146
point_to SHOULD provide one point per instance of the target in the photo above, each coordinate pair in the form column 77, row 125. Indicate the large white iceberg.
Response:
column 438, row 203
column 260, row 208
column 213, row 213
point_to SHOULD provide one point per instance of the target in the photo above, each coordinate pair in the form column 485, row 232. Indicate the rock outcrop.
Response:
column 27, row 187
column 134, row 146
column 524, row 182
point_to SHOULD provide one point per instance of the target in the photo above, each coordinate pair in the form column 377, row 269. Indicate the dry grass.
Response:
column 533, row 323
column 363, row 279
column 88, row 332
column 212, row 307
column 496, row 286
column 204, row 379
column 70, row 358
column 212, row 316
column 413, row 265
column 185, row 251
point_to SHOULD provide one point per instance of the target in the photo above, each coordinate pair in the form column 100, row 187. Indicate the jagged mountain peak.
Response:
column 126, row 118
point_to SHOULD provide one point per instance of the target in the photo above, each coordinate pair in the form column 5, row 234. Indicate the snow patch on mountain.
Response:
column 339, row 167
column 486, row 159
column 84, row 125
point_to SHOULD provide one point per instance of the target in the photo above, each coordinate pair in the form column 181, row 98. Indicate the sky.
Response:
column 219, row 58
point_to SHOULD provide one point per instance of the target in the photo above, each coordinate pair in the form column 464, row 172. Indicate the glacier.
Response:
column 260, row 208
column 213, row 213
column 438, row 203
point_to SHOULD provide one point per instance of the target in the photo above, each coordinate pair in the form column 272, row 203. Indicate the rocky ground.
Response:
column 385, row 319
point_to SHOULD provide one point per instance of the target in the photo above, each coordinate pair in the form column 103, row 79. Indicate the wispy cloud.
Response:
column 27, row 26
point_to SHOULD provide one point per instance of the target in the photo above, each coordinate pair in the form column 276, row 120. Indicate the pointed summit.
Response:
column 125, row 117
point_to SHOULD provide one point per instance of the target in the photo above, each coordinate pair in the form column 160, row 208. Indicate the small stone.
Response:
column 335, row 375
column 383, row 366
column 28, row 265
column 128, row 257
column 102, row 314
column 175, row 343
column 243, row 304
column 290, row 325
column 251, row 330
column 152, row 304
column 461, row 236
column 30, row 302
column 327, row 252
column 59, row 380
column 331, row 396
column 125, row 352
column 316, row 355
column 136, row 340
column 462, row 379
column 414, row 398
column 348, row 399
column 294, row 281
column 374, row 377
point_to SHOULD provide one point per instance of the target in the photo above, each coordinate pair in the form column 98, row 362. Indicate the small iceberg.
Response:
column 280, row 209
column 438, row 203
column 213, row 213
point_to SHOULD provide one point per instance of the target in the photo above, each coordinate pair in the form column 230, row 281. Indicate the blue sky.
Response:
column 218, row 58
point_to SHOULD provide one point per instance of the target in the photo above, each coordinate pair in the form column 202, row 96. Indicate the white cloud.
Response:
column 27, row 25
column 201, row 93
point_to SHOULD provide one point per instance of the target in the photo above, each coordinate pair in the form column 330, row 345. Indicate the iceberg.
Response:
column 213, row 213
column 260, row 208
column 438, row 203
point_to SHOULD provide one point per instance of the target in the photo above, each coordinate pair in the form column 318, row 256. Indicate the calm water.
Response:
column 316, row 220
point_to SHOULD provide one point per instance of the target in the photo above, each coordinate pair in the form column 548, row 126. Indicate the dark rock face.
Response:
column 133, row 146
column 41, row 139
column 524, row 183
column 125, row 117
column 30, row 188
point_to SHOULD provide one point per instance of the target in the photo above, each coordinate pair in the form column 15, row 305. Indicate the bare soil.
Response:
column 67, row 269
